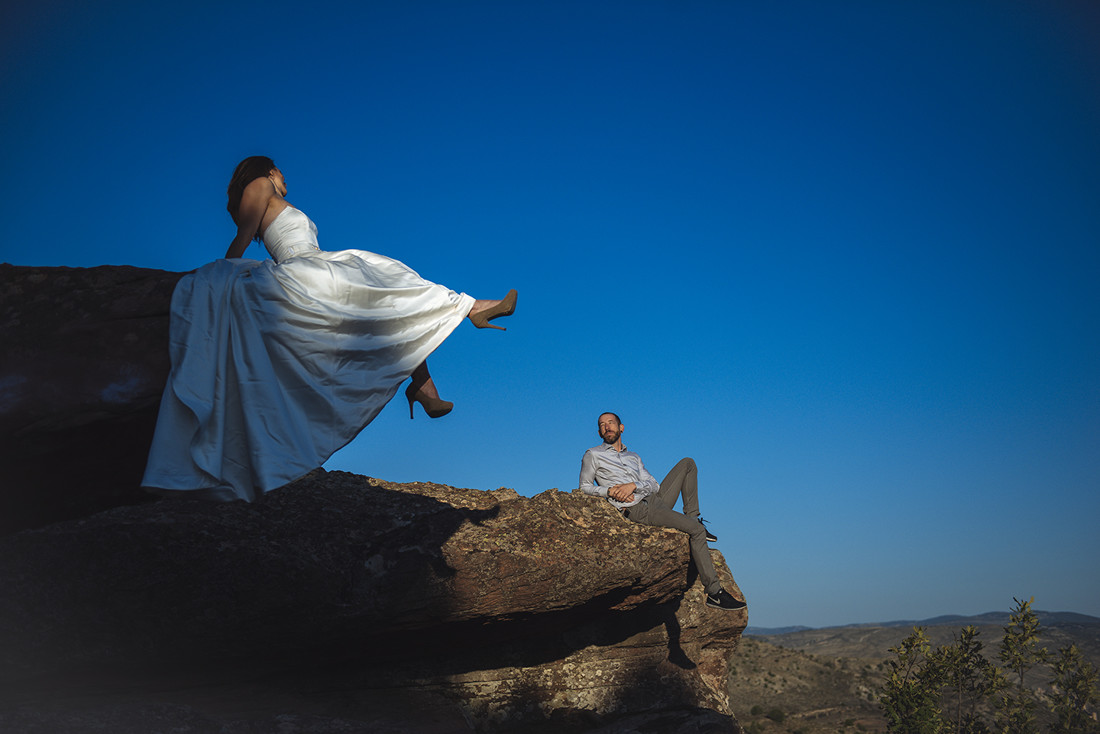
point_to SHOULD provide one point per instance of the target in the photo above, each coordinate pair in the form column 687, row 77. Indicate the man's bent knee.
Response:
column 687, row 463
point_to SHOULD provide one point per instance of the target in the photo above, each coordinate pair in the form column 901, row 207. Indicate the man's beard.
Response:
column 611, row 437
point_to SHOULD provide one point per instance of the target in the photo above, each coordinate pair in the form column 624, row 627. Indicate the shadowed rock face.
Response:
column 484, row 607
column 83, row 363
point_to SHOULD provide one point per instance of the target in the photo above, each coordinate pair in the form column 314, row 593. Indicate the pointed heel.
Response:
column 433, row 407
column 506, row 307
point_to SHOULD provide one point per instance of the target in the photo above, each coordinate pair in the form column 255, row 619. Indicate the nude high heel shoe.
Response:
column 434, row 407
column 505, row 308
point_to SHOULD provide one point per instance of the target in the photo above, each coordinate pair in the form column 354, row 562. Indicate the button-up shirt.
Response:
column 603, row 467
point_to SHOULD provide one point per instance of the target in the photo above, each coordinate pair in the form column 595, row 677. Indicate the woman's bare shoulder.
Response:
column 259, row 187
column 260, row 195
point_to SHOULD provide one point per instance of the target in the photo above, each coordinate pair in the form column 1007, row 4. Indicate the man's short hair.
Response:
column 608, row 412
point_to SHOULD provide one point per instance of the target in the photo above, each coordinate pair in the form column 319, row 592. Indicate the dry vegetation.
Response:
column 827, row 680
column 776, row 689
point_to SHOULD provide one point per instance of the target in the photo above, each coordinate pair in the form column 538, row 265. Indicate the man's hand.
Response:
column 622, row 492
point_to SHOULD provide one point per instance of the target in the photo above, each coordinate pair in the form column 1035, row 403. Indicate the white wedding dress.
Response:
column 276, row 365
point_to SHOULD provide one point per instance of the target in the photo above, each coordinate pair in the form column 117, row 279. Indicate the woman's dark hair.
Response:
column 247, row 171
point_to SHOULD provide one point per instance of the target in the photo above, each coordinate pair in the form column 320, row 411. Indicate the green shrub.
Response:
column 952, row 688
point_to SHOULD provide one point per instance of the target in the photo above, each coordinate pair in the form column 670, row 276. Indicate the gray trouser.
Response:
column 656, row 509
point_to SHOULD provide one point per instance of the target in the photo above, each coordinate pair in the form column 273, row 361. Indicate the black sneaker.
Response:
column 711, row 537
column 724, row 600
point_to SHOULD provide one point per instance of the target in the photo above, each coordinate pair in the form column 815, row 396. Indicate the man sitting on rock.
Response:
column 609, row 470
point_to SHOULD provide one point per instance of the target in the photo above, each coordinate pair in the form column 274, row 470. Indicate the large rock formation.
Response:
column 475, row 610
column 336, row 604
column 82, row 366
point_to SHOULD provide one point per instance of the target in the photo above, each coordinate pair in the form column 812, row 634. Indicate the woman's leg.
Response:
column 479, row 306
column 422, row 383
column 422, row 390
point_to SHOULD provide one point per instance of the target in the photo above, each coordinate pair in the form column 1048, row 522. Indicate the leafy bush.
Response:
column 947, row 689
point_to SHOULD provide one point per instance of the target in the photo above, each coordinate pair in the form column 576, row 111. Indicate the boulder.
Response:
column 345, row 603
column 338, row 603
column 84, row 361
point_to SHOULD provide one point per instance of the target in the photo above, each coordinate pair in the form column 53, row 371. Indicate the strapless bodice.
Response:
column 291, row 233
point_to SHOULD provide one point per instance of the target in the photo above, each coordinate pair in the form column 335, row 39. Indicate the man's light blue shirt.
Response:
column 603, row 467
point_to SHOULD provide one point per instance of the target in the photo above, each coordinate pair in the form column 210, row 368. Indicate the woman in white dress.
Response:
column 276, row 364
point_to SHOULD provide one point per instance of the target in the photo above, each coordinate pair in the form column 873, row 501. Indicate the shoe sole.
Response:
column 728, row 609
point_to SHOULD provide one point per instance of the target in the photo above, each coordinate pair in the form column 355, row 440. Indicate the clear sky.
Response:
column 845, row 255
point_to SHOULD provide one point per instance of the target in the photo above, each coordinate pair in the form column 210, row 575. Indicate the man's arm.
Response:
column 619, row 492
column 588, row 476
column 646, row 484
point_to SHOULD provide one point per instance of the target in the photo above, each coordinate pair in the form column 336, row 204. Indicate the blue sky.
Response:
column 845, row 255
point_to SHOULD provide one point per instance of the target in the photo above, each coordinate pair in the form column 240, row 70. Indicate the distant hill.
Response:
column 773, row 630
column 872, row 642
column 954, row 620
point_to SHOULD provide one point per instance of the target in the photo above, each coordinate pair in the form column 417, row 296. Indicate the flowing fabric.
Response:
column 276, row 366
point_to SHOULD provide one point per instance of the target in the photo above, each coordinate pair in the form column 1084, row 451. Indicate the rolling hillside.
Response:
column 826, row 680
